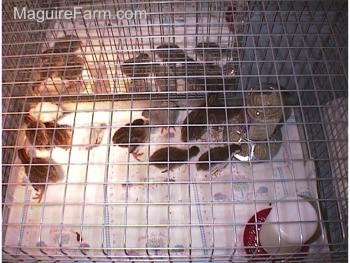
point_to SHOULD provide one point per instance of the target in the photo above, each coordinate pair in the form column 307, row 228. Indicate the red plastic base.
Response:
column 250, row 240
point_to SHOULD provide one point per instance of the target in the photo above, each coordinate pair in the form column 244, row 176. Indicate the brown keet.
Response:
column 55, row 64
column 47, row 134
column 132, row 135
column 194, row 125
column 217, row 156
column 39, row 171
column 138, row 66
column 201, row 76
column 59, row 86
column 66, row 44
column 162, row 116
column 165, row 77
column 211, row 51
column 59, row 135
column 172, row 53
column 171, row 157
column 139, row 85
column 66, row 66
column 50, row 61
column 72, row 68
column 36, row 132
column 196, row 118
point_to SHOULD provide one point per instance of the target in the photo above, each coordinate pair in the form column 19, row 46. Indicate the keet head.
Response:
column 29, row 119
column 23, row 155
column 139, row 122
column 194, row 150
column 146, row 114
column 121, row 135
column 235, row 148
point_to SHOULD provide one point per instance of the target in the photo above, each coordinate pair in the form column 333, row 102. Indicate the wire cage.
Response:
column 175, row 131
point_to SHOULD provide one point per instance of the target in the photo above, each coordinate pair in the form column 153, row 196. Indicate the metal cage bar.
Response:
column 76, row 91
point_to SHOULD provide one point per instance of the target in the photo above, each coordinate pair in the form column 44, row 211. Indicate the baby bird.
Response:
column 171, row 157
column 137, row 66
column 139, row 85
column 59, row 135
column 207, row 77
column 72, row 67
column 216, row 156
column 69, row 43
column 165, row 77
column 262, row 151
column 194, row 125
column 210, row 51
column 50, row 61
column 39, row 172
column 36, row 132
column 46, row 111
column 54, row 64
column 57, row 86
column 47, row 134
column 131, row 136
column 96, row 135
column 162, row 116
column 172, row 52
column 201, row 76
column 199, row 116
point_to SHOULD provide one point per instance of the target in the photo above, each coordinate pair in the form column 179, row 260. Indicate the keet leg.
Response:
column 167, row 128
column 38, row 195
column 24, row 181
column 136, row 154
column 215, row 134
column 216, row 172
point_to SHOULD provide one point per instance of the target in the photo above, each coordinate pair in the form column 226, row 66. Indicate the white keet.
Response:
column 46, row 111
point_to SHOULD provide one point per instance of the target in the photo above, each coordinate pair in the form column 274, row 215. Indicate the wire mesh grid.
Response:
column 176, row 136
